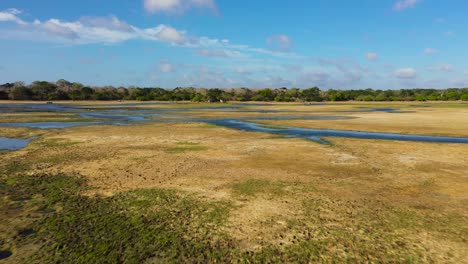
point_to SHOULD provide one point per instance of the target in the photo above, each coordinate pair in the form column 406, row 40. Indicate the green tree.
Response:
column 21, row 93
column 214, row 95
column 41, row 90
column 311, row 94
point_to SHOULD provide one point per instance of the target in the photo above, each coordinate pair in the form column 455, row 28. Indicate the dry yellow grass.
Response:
column 431, row 121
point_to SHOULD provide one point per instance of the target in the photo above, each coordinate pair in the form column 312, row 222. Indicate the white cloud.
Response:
column 404, row 4
column 10, row 15
column 204, row 3
column 14, row 11
column 372, row 56
column 281, row 42
column 466, row 72
column 91, row 30
column 165, row 34
column 160, row 5
column 218, row 53
column 444, row 67
column 110, row 22
column 177, row 6
column 430, row 51
column 75, row 32
column 406, row 73
column 165, row 66
column 56, row 27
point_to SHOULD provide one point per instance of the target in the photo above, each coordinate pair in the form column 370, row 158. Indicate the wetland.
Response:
column 267, row 182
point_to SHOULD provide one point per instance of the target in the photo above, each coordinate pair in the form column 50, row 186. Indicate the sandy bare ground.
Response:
column 434, row 121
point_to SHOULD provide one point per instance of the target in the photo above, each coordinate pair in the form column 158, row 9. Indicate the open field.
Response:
column 195, row 192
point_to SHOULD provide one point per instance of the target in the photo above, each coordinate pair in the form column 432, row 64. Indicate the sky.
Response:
column 339, row 44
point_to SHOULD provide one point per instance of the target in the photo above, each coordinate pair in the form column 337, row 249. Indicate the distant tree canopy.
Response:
column 65, row 90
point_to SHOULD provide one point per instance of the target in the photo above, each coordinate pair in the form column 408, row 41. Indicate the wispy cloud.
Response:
column 218, row 53
column 351, row 72
column 406, row 73
column 110, row 29
column 444, row 67
column 177, row 7
column 244, row 71
column 165, row 66
column 372, row 56
column 405, row 4
column 109, row 22
column 313, row 78
column 280, row 42
column 430, row 51
column 11, row 15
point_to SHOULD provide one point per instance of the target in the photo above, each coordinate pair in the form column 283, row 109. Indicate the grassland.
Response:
column 192, row 192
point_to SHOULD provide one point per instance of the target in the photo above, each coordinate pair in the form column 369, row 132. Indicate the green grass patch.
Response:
column 186, row 146
column 187, row 143
column 15, row 167
column 449, row 225
column 254, row 187
column 143, row 225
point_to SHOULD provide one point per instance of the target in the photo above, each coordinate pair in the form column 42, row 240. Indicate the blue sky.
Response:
column 340, row 44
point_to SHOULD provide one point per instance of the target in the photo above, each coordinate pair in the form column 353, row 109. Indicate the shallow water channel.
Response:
column 13, row 143
column 129, row 114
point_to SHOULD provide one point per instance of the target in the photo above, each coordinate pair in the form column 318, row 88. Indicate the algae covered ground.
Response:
column 192, row 192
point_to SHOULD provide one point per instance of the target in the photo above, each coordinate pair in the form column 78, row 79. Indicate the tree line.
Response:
column 65, row 90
